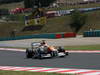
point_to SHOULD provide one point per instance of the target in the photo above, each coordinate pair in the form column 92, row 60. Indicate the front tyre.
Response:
column 29, row 53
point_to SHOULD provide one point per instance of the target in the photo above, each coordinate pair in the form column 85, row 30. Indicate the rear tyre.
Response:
column 66, row 53
column 40, row 56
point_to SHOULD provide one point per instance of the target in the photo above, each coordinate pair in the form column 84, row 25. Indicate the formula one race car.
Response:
column 43, row 51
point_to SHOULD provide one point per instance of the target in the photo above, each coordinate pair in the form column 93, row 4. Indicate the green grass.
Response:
column 85, row 47
column 57, row 24
column 12, row 5
column 82, row 47
column 7, row 27
column 17, row 17
column 27, row 73
column 61, row 24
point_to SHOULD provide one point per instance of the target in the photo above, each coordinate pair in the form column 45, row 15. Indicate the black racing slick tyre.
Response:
column 67, row 53
column 29, row 53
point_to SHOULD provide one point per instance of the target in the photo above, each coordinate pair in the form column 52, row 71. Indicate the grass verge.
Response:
column 57, row 24
column 83, row 47
column 27, row 73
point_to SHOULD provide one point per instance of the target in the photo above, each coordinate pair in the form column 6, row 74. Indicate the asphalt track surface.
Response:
column 74, row 60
